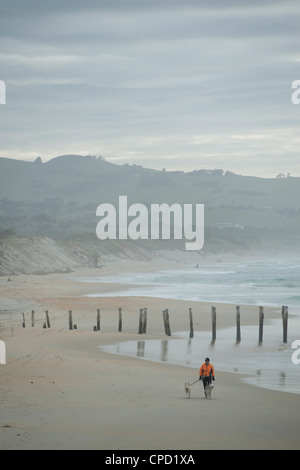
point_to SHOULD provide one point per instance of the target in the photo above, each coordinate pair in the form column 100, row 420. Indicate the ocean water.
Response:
column 266, row 283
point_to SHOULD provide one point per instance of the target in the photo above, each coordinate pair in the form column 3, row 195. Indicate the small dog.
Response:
column 187, row 390
column 209, row 390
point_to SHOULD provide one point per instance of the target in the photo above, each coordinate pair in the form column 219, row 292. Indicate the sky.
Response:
column 180, row 85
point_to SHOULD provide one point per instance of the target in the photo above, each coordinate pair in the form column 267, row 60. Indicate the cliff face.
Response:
column 37, row 256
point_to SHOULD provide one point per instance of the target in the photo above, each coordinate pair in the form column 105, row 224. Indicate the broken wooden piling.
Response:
column 214, row 324
column 120, row 320
column 284, row 313
column 238, row 324
column 141, row 321
column 145, row 320
column 167, row 322
column 70, row 320
column 191, row 323
column 47, row 319
column 261, row 325
column 98, row 319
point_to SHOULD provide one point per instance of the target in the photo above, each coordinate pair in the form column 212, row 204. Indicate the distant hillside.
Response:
column 58, row 199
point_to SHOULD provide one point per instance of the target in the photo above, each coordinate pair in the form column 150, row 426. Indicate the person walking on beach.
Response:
column 206, row 373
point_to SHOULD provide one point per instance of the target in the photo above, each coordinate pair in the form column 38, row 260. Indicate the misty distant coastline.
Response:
column 57, row 201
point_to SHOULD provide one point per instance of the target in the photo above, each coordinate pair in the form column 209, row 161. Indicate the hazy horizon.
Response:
column 132, row 163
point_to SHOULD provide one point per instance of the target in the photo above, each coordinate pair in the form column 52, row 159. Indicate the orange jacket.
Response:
column 207, row 370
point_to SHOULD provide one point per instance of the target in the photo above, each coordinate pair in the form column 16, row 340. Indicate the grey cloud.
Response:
column 141, row 79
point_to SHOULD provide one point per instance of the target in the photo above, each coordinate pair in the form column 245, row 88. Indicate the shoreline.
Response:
column 184, row 283
column 61, row 391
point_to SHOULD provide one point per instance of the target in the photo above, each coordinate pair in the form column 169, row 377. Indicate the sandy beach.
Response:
column 60, row 390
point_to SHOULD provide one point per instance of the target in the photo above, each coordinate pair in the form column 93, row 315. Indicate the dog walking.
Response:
column 207, row 374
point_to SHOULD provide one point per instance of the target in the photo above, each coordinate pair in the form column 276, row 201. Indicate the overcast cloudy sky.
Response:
column 162, row 83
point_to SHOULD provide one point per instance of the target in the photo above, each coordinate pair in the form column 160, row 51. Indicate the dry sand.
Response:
column 59, row 390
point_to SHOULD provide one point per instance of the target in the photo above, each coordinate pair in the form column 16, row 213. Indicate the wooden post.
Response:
column 32, row 317
column 191, row 323
column 47, row 319
column 23, row 323
column 168, row 323
column 261, row 325
column 120, row 320
column 214, row 324
column 238, row 324
column 164, row 319
column 70, row 320
column 145, row 320
column 141, row 321
column 284, row 313
column 98, row 319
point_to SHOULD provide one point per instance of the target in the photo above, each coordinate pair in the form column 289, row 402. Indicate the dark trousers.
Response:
column 206, row 381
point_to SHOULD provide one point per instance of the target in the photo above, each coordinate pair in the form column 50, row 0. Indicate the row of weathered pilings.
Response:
column 142, row 327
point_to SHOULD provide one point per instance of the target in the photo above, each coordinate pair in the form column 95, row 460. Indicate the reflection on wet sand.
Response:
column 141, row 348
column 268, row 366
column 278, row 379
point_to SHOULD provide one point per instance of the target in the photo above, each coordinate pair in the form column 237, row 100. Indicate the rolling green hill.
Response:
column 58, row 199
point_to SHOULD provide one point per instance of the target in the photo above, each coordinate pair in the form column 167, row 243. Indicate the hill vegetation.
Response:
column 58, row 200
